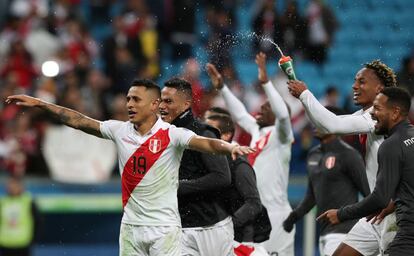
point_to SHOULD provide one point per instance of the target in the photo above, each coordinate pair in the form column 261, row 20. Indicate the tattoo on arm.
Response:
column 75, row 119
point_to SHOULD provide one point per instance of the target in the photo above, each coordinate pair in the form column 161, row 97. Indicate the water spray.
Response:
column 285, row 62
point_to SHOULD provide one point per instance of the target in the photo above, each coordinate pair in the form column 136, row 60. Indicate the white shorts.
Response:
column 149, row 240
column 249, row 249
column 329, row 242
column 280, row 243
column 209, row 241
column 372, row 239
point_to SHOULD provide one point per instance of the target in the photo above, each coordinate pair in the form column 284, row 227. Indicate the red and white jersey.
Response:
column 149, row 165
column 273, row 148
column 270, row 162
column 359, row 122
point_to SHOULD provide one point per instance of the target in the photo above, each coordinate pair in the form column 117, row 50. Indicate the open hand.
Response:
column 215, row 76
column 240, row 151
column 23, row 100
column 261, row 64
column 296, row 87
column 330, row 215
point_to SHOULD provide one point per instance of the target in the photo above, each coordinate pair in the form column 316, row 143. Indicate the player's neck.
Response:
column 145, row 126
column 366, row 106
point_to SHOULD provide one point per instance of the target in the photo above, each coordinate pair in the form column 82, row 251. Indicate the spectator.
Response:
column 192, row 75
column 19, row 62
column 406, row 75
column 19, row 220
column 267, row 24
column 220, row 40
column 322, row 25
column 182, row 20
column 123, row 56
column 293, row 29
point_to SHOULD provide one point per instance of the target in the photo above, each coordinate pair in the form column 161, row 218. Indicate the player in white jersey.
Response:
column 149, row 152
column 272, row 137
column 365, row 238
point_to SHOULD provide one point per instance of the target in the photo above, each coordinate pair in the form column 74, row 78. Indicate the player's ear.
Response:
column 379, row 89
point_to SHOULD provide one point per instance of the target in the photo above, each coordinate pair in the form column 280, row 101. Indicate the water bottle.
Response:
column 286, row 64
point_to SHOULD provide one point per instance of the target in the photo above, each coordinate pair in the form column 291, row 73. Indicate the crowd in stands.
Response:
column 100, row 46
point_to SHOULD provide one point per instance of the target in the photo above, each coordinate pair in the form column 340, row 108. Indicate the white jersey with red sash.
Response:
column 149, row 165
column 270, row 162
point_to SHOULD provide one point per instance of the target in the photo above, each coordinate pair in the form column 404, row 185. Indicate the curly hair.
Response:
column 384, row 73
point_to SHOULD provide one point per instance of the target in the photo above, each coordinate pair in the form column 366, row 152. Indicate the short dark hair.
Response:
column 226, row 124
column 148, row 84
column 384, row 73
column 219, row 111
column 180, row 85
column 398, row 97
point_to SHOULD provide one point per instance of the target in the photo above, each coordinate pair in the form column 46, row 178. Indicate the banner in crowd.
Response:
column 76, row 157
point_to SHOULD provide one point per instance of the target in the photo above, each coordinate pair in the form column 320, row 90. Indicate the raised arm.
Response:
column 325, row 120
column 235, row 106
column 68, row 116
column 277, row 103
column 216, row 146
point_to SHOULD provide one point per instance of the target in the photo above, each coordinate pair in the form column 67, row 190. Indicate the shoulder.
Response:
column 391, row 144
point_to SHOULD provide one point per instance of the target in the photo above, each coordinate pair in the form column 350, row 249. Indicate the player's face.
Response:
column 366, row 86
column 265, row 117
column 381, row 113
column 172, row 104
column 141, row 104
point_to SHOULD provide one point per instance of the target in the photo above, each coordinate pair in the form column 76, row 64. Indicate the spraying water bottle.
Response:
column 286, row 64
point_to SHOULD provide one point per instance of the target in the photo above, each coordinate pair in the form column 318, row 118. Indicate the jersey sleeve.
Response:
column 281, row 112
column 238, row 111
column 108, row 128
column 328, row 122
column 180, row 137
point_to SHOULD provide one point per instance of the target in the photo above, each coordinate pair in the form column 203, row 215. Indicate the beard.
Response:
column 382, row 129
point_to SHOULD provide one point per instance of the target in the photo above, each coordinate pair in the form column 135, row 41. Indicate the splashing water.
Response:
column 262, row 38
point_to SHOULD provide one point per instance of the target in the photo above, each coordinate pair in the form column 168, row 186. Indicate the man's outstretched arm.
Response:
column 216, row 146
column 325, row 120
column 68, row 116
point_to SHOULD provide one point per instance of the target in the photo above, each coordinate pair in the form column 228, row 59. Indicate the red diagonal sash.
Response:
column 141, row 162
column 260, row 144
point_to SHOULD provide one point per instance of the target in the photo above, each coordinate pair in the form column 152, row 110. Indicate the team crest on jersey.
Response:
column 330, row 162
column 154, row 145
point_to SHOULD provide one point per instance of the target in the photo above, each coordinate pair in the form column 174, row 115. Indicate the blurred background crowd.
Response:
column 100, row 46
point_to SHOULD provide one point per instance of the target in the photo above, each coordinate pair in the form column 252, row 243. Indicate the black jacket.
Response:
column 202, row 177
column 250, row 219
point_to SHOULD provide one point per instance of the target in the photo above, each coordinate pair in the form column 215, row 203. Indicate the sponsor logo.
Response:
column 330, row 162
column 154, row 145
column 409, row 142
column 289, row 70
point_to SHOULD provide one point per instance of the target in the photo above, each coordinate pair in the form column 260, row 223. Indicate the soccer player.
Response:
column 207, row 226
column 395, row 178
column 242, row 197
column 336, row 174
column 364, row 238
column 149, row 153
column 272, row 137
